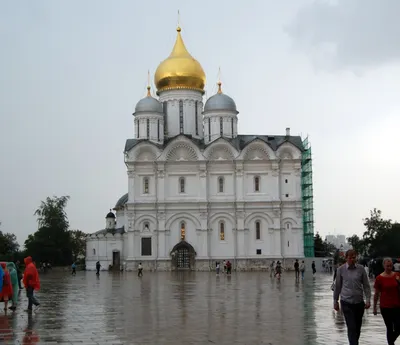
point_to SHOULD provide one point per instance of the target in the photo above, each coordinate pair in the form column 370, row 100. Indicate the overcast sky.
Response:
column 72, row 72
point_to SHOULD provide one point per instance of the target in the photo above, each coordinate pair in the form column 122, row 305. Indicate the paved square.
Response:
column 183, row 308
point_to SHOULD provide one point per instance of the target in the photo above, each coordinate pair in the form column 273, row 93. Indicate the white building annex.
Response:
column 199, row 192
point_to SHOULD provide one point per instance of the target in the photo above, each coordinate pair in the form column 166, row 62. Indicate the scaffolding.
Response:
column 307, row 199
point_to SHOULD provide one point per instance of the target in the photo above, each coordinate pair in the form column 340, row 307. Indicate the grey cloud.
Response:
column 344, row 34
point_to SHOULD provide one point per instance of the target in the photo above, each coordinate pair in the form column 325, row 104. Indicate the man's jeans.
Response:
column 353, row 314
column 31, row 298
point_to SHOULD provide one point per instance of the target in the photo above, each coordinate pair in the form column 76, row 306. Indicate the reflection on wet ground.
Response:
column 183, row 308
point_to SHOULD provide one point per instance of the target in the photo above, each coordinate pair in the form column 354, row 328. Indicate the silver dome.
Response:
column 148, row 105
column 220, row 101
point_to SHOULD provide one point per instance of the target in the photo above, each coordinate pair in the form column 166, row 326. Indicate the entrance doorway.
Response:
column 183, row 256
column 116, row 260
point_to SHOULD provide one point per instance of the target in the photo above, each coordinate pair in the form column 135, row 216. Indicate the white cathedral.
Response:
column 199, row 192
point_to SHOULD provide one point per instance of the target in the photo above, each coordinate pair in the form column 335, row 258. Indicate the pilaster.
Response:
column 131, row 185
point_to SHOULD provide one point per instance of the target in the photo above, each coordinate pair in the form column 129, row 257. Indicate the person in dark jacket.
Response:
column 19, row 274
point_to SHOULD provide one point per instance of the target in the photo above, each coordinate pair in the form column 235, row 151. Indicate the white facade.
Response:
column 197, row 185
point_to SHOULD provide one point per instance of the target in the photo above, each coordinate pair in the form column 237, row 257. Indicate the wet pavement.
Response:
column 183, row 308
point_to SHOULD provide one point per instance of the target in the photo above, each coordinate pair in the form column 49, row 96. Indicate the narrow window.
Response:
column 232, row 126
column 148, row 128
column 165, row 111
column 256, row 184
column 146, row 246
column 258, row 251
column 287, row 195
column 181, row 117
column 209, row 129
column 258, row 231
column 183, row 231
column 158, row 130
column 181, row 185
column 94, row 251
column 196, row 118
column 145, row 185
column 287, row 226
column 137, row 128
column 220, row 184
column 222, row 231
column 221, row 127
column 286, row 181
column 288, row 243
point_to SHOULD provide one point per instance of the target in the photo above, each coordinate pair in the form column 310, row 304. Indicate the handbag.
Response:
column 333, row 286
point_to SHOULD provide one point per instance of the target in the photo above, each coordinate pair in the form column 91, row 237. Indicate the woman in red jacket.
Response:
column 387, row 286
column 7, row 290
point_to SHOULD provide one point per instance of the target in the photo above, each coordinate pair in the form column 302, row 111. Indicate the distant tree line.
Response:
column 381, row 238
column 53, row 242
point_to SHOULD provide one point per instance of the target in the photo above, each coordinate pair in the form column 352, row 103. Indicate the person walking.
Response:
column 73, row 269
column 19, row 274
column 296, row 269
column 98, row 267
column 31, row 283
column 14, row 283
column 314, row 270
column 387, row 286
column 302, row 269
column 140, row 270
column 351, row 285
column 7, row 290
column 272, row 268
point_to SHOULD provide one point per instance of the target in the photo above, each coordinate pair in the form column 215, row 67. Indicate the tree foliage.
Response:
column 52, row 241
column 78, row 244
column 9, row 246
column 381, row 237
column 323, row 248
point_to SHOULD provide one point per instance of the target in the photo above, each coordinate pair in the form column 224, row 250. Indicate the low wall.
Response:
column 243, row 265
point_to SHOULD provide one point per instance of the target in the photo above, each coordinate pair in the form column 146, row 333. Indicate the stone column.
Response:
column 131, row 185
column 161, row 183
column 161, row 235
column 278, row 245
column 131, row 248
column 239, row 182
column 240, row 234
column 203, row 183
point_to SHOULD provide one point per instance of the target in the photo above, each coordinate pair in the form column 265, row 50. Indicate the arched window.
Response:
column 148, row 128
column 220, row 184
column 146, row 185
column 181, row 185
column 146, row 227
column 222, row 231
column 137, row 128
column 221, row 127
column 165, row 110
column 209, row 129
column 158, row 130
column 258, row 230
column 183, row 231
column 94, row 251
column 256, row 183
column 232, row 127
column 288, row 226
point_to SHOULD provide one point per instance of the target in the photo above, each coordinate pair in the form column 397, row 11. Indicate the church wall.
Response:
column 222, row 246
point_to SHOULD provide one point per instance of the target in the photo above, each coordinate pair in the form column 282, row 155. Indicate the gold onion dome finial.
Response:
column 180, row 70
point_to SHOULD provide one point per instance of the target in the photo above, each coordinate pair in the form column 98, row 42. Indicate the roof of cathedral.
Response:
column 111, row 231
column 240, row 142
column 148, row 104
column 180, row 70
column 110, row 215
column 220, row 101
column 121, row 201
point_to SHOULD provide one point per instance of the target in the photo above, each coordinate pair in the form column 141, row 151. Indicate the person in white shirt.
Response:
column 396, row 266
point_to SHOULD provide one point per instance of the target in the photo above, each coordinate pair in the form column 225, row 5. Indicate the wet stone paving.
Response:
column 183, row 308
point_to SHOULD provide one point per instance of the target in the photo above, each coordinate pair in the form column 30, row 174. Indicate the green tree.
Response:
column 52, row 241
column 78, row 244
column 357, row 244
column 9, row 246
column 319, row 247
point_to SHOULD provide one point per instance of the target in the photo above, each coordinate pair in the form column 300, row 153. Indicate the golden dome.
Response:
column 180, row 70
